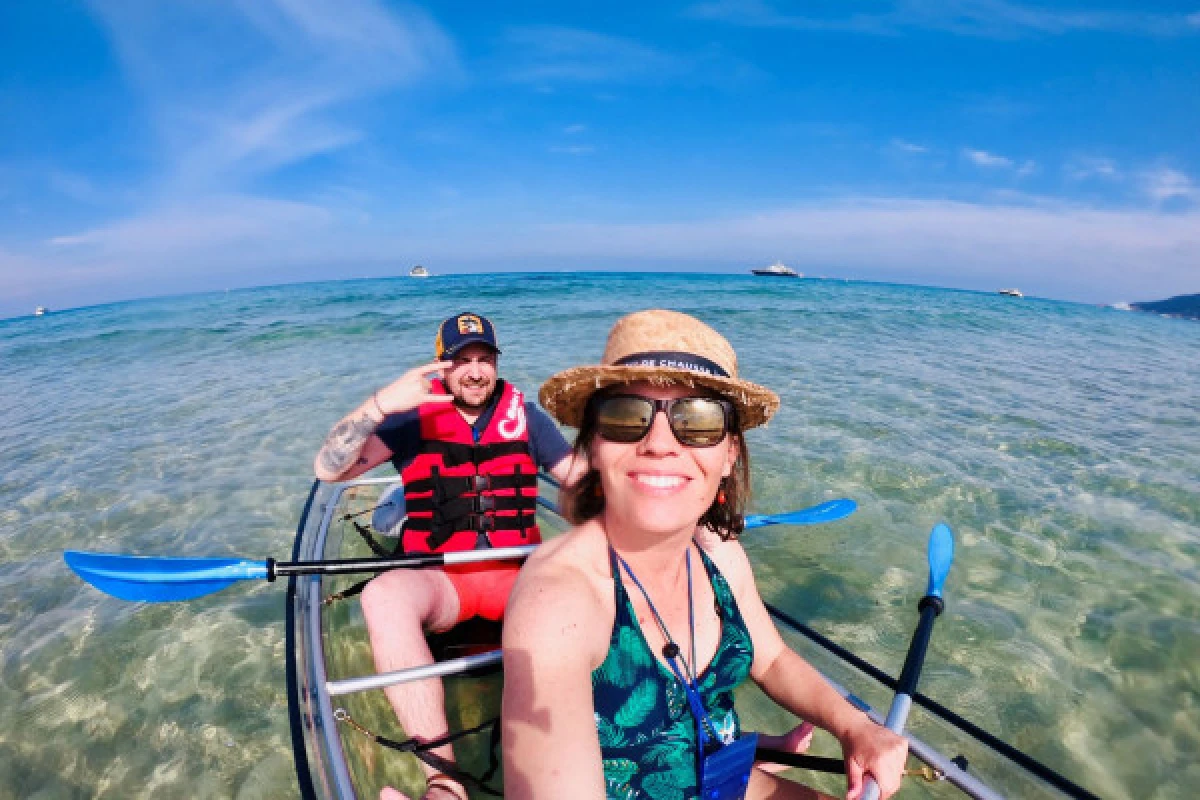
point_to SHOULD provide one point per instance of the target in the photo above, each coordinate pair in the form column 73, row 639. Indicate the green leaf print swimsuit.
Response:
column 647, row 733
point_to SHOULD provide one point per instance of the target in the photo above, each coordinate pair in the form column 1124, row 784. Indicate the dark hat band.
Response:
column 673, row 359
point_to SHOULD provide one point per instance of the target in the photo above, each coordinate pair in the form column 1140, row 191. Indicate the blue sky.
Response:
column 152, row 148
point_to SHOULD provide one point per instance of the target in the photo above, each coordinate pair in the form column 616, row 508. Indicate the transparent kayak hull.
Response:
column 328, row 655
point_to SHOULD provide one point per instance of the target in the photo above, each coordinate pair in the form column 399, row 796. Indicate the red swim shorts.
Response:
column 483, row 589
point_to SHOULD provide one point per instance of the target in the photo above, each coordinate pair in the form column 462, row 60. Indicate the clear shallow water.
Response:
column 1061, row 442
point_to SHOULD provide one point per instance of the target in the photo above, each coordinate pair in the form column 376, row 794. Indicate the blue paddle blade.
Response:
column 941, row 556
column 160, row 579
column 831, row 511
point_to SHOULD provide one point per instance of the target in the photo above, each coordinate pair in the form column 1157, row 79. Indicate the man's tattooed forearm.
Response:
column 345, row 442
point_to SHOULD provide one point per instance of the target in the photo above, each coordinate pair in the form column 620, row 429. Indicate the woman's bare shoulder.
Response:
column 563, row 594
column 729, row 556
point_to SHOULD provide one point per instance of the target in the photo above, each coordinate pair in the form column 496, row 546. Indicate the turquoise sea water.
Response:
column 1060, row 441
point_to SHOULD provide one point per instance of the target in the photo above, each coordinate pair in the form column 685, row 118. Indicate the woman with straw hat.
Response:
column 626, row 637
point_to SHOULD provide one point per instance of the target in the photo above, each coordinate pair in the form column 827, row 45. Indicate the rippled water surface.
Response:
column 1061, row 442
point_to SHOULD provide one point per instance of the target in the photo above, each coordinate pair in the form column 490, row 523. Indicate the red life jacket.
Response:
column 460, row 495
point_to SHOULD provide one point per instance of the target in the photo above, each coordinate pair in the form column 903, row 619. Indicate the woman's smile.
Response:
column 658, row 484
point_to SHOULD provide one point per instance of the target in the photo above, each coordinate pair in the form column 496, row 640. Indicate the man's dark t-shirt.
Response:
column 402, row 434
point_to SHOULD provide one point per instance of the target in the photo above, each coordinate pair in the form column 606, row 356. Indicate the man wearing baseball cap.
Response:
column 468, row 446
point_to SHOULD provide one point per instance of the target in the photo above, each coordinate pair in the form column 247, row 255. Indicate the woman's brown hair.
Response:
column 585, row 499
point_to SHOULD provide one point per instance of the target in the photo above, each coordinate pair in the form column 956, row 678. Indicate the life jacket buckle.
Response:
column 484, row 502
column 481, row 522
column 481, row 483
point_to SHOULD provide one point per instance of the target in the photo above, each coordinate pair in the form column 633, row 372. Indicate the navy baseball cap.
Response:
column 462, row 330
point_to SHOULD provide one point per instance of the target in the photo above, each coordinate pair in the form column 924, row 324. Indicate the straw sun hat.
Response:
column 663, row 348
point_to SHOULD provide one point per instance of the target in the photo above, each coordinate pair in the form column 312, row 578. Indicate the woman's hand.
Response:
column 411, row 390
column 873, row 749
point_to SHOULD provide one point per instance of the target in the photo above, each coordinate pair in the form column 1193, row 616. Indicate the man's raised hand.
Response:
column 412, row 389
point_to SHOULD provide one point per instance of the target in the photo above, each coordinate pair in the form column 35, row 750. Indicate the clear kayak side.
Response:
column 328, row 648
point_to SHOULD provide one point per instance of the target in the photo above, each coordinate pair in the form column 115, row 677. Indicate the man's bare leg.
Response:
column 399, row 607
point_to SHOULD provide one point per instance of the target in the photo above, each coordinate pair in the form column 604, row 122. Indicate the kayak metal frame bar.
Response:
column 454, row 666
column 969, row 784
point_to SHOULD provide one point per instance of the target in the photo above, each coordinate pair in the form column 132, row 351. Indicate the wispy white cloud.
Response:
column 982, row 158
column 1081, row 168
column 208, row 223
column 75, row 187
column 1044, row 245
column 550, row 53
column 1163, row 184
column 983, row 18
column 907, row 147
column 572, row 130
column 992, row 161
column 574, row 150
column 234, row 91
column 238, row 88
column 1050, row 247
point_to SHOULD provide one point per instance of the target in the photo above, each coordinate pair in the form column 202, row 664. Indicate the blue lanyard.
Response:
column 684, row 673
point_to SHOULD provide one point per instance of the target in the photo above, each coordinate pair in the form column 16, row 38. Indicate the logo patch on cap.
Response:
column 469, row 323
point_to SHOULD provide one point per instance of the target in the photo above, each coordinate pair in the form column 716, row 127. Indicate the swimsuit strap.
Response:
column 686, row 674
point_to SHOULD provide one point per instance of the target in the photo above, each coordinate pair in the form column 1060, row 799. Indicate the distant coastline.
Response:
column 1183, row 305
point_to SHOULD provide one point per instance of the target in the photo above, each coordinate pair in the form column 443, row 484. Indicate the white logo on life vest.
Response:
column 513, row 424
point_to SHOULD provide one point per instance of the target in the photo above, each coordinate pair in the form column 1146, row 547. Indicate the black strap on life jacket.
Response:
column 452, row 508
column 481, row 523
column 455, row 454
column 467, row 484
column 449, row 511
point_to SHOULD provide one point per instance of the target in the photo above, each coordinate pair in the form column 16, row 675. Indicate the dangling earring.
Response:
column 721, row 499
column 598, row 491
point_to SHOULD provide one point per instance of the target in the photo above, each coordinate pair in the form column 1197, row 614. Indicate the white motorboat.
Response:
column 777, row 270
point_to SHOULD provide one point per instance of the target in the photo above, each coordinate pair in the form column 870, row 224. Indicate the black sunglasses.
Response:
column 695, row 421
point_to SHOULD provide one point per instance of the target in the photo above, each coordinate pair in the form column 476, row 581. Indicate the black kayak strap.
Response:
column 422, row 751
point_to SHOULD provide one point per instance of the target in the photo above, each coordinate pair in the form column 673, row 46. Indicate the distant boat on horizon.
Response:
column 418, row 272
column 1011, row 292
column 40, row 311
column 777, row 270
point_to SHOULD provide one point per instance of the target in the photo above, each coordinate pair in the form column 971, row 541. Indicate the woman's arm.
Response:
column 551, row 749
column 794, row 684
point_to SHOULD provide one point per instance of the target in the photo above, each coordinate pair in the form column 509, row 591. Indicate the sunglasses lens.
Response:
column 624, row 419
column 698, row 421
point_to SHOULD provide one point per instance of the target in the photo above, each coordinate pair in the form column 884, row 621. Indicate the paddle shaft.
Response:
column 414, row 561
column 930, row 607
